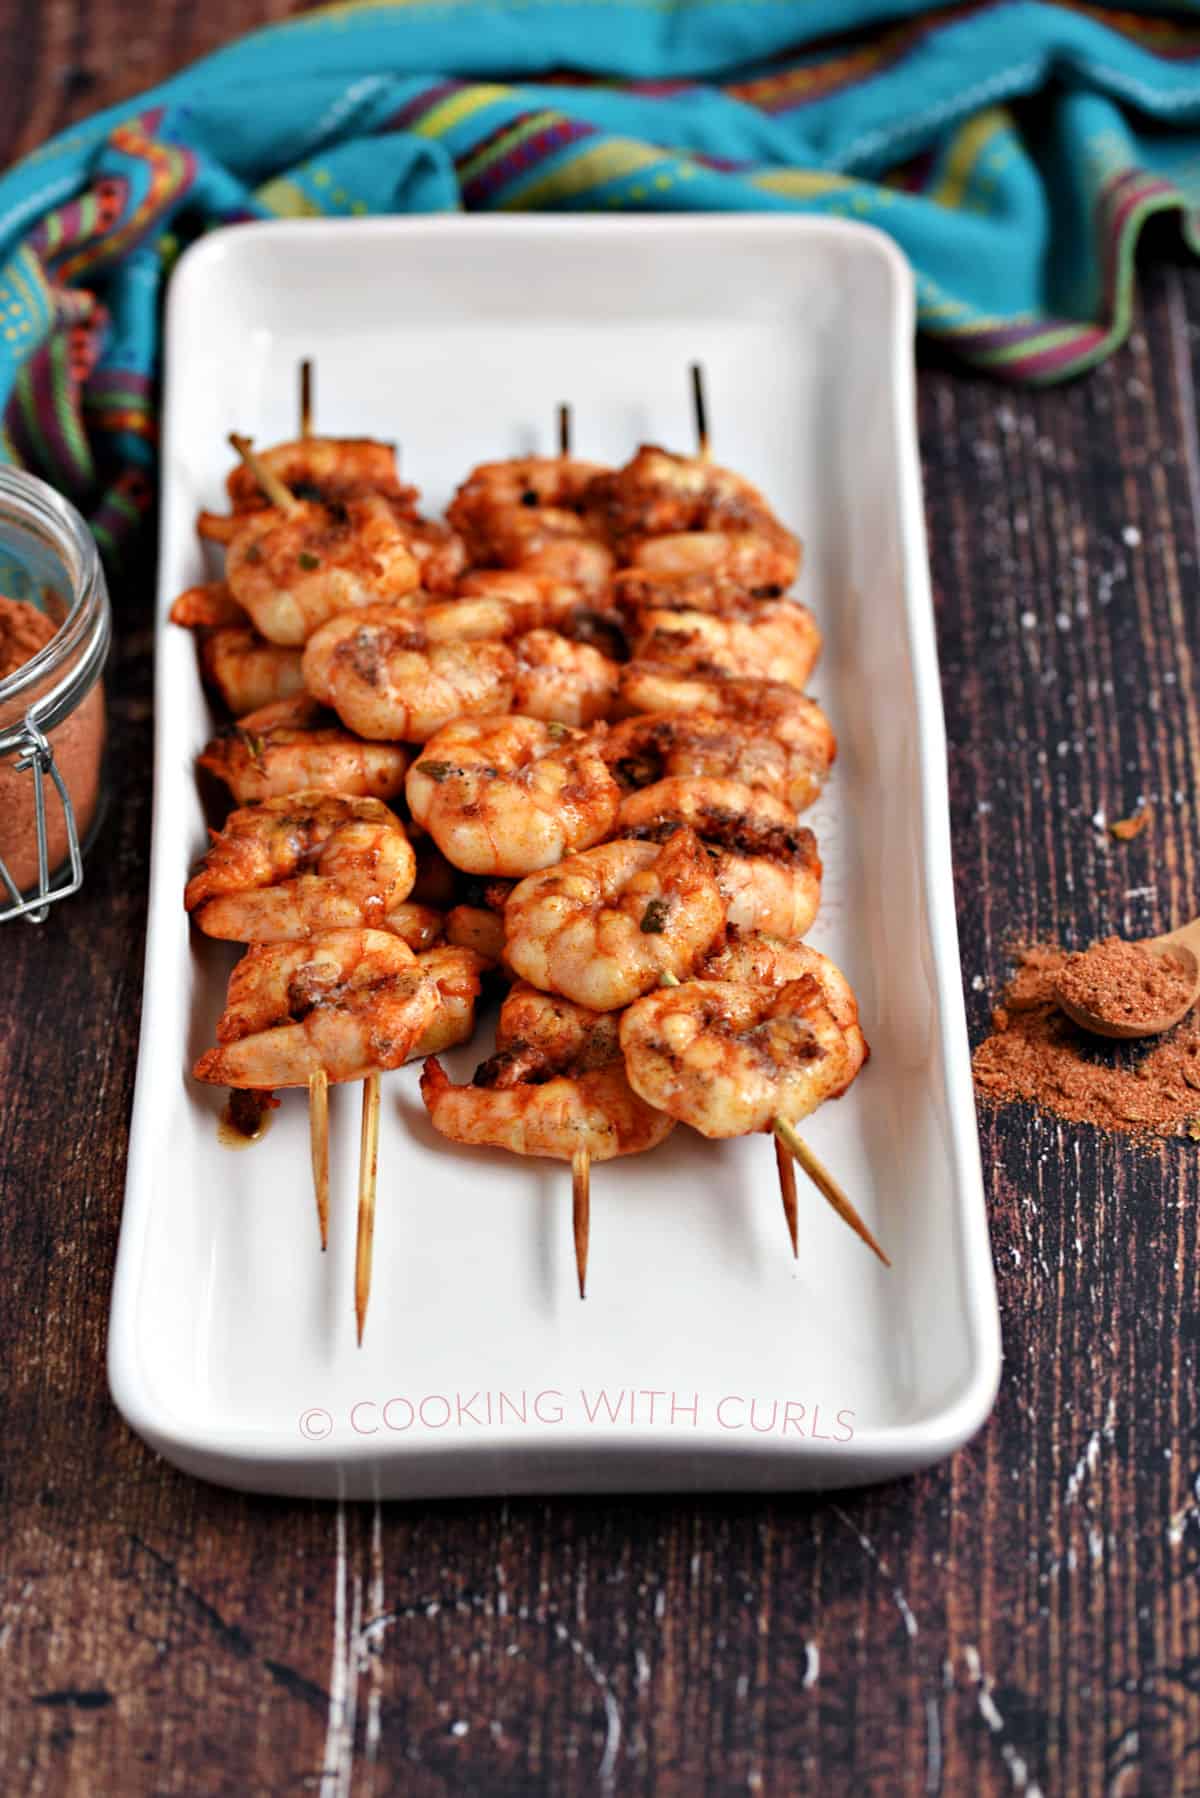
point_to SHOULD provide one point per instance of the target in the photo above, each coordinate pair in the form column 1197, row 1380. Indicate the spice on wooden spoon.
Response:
column 1126, row 990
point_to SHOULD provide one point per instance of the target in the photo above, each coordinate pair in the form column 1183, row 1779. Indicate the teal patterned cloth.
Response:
column 1013, row 150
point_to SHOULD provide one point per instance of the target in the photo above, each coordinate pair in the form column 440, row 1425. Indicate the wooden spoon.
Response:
column 1183, row 946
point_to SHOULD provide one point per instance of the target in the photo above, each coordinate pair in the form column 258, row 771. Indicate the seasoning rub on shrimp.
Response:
column 294, row 744
column 508, row 795
column 346, row 1003
column 555, row 1086
column 387, row 680
column 307, row 862
column 325, row 469
column 766, row 866
column 650, row 747
column 606, row 925
column 294, row 570
column 728, row 1057
column 781, row 641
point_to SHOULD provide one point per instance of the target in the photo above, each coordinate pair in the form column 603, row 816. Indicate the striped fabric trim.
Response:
column 824, row 73
column 1047, row 349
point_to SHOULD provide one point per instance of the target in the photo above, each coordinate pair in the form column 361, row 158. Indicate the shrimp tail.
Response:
column 435, row 1081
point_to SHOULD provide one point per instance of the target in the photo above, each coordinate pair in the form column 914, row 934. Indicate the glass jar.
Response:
column 52, row 721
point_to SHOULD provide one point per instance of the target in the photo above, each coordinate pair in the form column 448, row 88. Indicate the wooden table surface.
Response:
column 1021, row 1619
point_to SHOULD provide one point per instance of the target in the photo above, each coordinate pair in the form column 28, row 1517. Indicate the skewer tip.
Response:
column 368, row 1170
column 825, row 1183
column 787, row 1192
column 581, row 1213
column 700, row 408
column 318, row 1121
column 306, row 402
column 564, row 430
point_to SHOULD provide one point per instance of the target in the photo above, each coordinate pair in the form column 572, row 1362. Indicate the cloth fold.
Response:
column 1013, row 148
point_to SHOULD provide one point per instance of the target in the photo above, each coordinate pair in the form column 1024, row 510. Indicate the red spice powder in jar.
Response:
column 78, row 744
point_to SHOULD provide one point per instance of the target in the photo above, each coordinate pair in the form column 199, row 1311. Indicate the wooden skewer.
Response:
column 581, row 1213
column 272, row 486
column 318, row 1085
column 318, row 1130
column 368, row 1171
column 581, row 1161
column 306, row 397
column 825, row 1183
column 787, row 1192
column 701, row 411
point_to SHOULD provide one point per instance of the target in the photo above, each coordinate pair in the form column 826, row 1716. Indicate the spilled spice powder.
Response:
column 1036, row 1053
column 1123, row 983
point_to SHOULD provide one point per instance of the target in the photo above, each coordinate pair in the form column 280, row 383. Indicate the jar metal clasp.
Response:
column 34, row 752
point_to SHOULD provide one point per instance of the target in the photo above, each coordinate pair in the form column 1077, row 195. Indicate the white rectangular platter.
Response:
column 704, row 1355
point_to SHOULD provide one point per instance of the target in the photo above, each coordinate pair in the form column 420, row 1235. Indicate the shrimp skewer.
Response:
column 729, row 1056
column 298, row 562
column 766, row 962
column 786, row 1137
column 342, row 1006
column 318, row 1085
column 554, row 1086
column 525, row 514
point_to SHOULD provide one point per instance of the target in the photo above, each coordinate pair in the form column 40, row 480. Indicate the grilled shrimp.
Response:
column 597, row 1112
column 658, row 492
column 530, row 481
column 294, row 744
column 210, row 606
column 694, row 589
column 727, row 1057
column 420, row 926
column 554, row 1085
column 456, row 973
column 684, row 517
column 767, row 867
column 508, row 795
column 542, row 1033
column 606, row 925
column 746, row 559
column 347, row 1001
column 386, row 680
column 324, row 469
column 561, row 681
column 782, row 642
column 307, row 862
column 550, row 542
column 755, row 959
column 293, row 570
column 246, row 670
column 535, row 600
column 652, row 747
